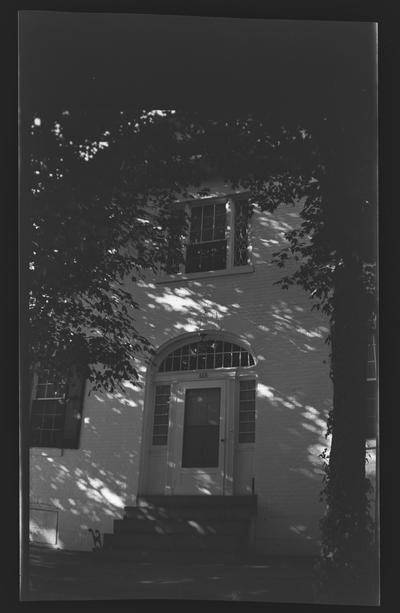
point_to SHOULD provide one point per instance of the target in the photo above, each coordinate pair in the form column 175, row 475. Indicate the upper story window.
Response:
column 218, row 237
column 56, row 410
column 208, row 238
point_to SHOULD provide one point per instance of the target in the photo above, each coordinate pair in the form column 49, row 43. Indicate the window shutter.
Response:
column 73, row 409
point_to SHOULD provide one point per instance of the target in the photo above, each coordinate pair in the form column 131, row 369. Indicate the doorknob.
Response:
column 222, row 440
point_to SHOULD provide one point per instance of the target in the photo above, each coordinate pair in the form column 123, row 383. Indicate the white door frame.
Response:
column 177, row 380
column 176, row 475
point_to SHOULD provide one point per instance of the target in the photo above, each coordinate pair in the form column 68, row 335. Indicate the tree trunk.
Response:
column 346, row 534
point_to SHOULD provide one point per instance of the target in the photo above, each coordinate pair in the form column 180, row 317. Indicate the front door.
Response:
column 200, row 441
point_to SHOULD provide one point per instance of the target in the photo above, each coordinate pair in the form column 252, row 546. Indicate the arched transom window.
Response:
column 207, row 354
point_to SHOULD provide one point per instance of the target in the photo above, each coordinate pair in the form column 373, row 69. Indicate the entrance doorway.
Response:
column 199, row 450
column 200, row 410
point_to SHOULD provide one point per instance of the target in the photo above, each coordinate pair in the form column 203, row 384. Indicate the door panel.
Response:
column 201, row 428
column 199, row 454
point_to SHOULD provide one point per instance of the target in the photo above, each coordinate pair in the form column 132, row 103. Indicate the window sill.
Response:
column 54, row 452
column 176, row 278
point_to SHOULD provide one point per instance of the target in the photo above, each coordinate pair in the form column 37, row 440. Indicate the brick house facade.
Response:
column 260, row 367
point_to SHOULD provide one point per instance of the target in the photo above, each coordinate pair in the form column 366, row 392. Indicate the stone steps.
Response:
column 193, row 528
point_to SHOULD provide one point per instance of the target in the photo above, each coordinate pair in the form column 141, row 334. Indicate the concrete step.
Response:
column 174, row 542
column 196, row 501
column 180, row 525
column 200, row 513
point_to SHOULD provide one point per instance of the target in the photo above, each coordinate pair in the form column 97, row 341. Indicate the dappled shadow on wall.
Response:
column 91, row 483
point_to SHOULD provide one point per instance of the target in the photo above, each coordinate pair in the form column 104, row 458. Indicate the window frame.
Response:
column 230, row 201
column 372, row 390
column 68, row 402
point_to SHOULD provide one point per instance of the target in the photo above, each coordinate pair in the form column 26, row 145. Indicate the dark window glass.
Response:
column 201, row 428
column 57, row 410
column 207, row 242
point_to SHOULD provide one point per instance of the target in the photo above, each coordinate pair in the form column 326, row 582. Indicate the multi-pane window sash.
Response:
column 207, row 241
column 48, row 411
column 247, row 411
column 209, row 354
column 161, row 415
column 56, row 411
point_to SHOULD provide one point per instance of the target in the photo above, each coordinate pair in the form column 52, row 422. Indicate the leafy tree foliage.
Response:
column 98, row 190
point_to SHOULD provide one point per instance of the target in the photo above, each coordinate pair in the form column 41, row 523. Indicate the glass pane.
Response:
column 218, row 360
column 247, row 395
column 219, row 345
column 246, row 437
column 247, row 384
column 220, row 221
column 244, row 358
column 201, row 428
column 202, row 361
column 202, row 407
column 227, row 360
column 235, row 359
column 210, row 361
column 159, row 430
column 161, row 409
column 195, row 225
column 163, row 390
column 200, row 447
column 210, row 347
column 41, row 391
column 247, row 427
column 160, row 419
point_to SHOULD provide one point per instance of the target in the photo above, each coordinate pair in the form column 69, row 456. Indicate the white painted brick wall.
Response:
column 91, row 485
